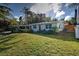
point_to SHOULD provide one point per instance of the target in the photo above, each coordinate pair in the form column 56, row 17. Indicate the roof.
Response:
column 41, row 23
column 53, row 22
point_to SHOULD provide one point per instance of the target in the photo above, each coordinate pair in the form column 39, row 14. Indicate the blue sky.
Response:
column 50, row 9
column 17, row 8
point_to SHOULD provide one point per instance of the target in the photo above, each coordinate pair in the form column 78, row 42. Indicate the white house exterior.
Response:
column 60, row 25
column 44, row 26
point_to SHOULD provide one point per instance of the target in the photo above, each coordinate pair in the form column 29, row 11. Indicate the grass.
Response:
column 30, row 44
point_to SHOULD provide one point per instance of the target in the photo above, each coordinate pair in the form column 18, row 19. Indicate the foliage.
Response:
column 5, row 11
column 71, row 21
column 75, row 5
column 47, row 19
column 7, row 24
column 19, row 30
column 20, row 20
column 31, row 17
column 13, row 22
column 14, row 29
column 5, row 15
column 4, row 23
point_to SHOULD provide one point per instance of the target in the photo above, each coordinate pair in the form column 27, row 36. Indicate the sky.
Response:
column 53, row 10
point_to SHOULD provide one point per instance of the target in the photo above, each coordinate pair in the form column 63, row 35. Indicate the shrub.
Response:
column 4, row 24
column 13, row 29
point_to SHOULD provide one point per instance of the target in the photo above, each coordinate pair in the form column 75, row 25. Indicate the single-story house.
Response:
column 44, row 26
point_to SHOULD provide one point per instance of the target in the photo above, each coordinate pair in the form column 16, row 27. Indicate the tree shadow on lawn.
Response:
column 5, row 48
column 5, row 44
column 5, row 39
column 65, row 36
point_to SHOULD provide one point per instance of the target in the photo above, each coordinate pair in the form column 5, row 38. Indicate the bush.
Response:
column 18, row 30
column 13, row 29
column 4, row 24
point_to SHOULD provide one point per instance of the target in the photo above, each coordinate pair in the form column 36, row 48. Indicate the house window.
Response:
column 22, row 27
column 48, row 26
column 34, row 26
column 27, row 27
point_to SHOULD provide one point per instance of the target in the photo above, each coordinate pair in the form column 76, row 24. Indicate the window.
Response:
column 48, row 26
column 34, row 26
column 27, row 27
column 22, row 27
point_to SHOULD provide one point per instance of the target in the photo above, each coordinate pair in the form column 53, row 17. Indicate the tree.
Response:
column 5, row 16
column 5, row 11
column 31, row 17
column 72, row 20
column 28, row 14
column 4, row 24
column 54, row 19
column 20, row 20
column 47, row 19
column 13, row 22
column 75, row 5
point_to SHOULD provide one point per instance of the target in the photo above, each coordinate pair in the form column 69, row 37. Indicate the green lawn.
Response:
column 38, row 44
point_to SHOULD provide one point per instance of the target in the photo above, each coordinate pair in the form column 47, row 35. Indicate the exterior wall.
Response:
column 35, row 29
column 47, row 29
column 54, row 25
column 43, row 27
column 60, row 26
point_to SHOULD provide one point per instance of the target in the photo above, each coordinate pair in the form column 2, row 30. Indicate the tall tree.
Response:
column 5, row 11
column 28, row 14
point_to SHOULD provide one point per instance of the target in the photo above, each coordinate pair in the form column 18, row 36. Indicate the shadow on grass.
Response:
column 5, row 44
column 59, row 36
column 5, row 48
column 5, row 39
